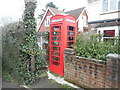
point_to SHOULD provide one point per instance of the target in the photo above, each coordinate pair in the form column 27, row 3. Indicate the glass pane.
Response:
column 70, row 28
column 55, row 28
column 56, row 63
column 56, row 53
column 109, row 33
column 70, row 38
column 71, row 33
column 119, row 5
column 105, row 5
column 70, row 43
column 56, row 33
column 56, row 43
column 56, row 48
column 56, row 38
column 55, row 58
column 113, row 4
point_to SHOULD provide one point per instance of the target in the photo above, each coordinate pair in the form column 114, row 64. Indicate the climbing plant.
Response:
column 21, row 54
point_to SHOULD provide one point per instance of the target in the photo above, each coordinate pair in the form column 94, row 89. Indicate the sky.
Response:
column 13, row 9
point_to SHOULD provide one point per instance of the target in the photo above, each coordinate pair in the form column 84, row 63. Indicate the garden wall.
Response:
column 91, row 73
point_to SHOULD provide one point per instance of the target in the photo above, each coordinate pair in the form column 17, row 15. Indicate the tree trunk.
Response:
column 32, row 63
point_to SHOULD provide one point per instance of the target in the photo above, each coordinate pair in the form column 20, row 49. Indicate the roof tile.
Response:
column 76, row 13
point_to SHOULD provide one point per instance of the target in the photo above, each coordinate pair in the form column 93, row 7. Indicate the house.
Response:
column 82, row 18
column 103, row 17
column 80, row 14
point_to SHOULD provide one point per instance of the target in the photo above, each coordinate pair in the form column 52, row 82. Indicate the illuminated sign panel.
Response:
column 69, row 20
column 57, row 20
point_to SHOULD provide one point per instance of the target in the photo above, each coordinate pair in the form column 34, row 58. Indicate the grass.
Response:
column 42, row 75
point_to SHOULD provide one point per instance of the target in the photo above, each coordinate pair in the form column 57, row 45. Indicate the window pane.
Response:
column 70, row 28
column 55, row 58
column 56, row 53
column 71, row 33
column 56, row 63
column 55, row 28
column 56, row 48
column 56, row 33
column 70, row 43
column 70, row 38
column 56, row 43
column 56, row 38
column 119, row 4
column 112, row 5
column 105, row 5
column 109, row 33
column 85, row 21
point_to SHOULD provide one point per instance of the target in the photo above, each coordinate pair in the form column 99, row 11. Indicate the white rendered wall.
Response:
column 95, row 12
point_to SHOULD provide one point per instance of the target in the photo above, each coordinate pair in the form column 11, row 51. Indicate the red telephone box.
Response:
column 63, row 29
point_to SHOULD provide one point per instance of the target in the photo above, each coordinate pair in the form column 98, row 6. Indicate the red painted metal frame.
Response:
column 65, row 22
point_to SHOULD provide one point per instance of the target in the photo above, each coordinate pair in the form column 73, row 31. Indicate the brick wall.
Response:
column 91, row 73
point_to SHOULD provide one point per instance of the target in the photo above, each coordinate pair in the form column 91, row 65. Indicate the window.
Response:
column 105, row 5
column 56, row 28
column 85, row 21
column 47, row 22
column 119, row 5
column 109, row 36
column 109, row 33
column 113, row 5
column 70, row 28
column 110, row 5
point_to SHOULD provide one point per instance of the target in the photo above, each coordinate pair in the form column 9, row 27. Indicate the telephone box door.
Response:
column 62, row 35
column 56, row 59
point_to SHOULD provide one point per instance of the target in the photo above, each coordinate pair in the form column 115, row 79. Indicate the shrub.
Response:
column 21, row 56
column 90, row 47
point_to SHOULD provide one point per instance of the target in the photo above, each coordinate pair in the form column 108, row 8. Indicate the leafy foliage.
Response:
column 50, row 4
column 90, row 48
column 21, row 54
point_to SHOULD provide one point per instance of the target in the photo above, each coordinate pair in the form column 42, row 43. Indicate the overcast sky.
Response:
column 14, row 8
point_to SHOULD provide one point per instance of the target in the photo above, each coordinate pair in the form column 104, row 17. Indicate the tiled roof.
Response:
column 76, row 13
column 56, row 11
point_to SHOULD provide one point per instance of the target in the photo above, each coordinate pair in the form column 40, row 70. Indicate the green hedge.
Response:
column 90, row 47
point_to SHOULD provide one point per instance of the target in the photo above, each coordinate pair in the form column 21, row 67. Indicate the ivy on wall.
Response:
column 21, row 54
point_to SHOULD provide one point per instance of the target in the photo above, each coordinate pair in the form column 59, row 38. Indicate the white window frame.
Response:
column 117, row 9
column 102, row 29
column 85, row 24
column 47, row 21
